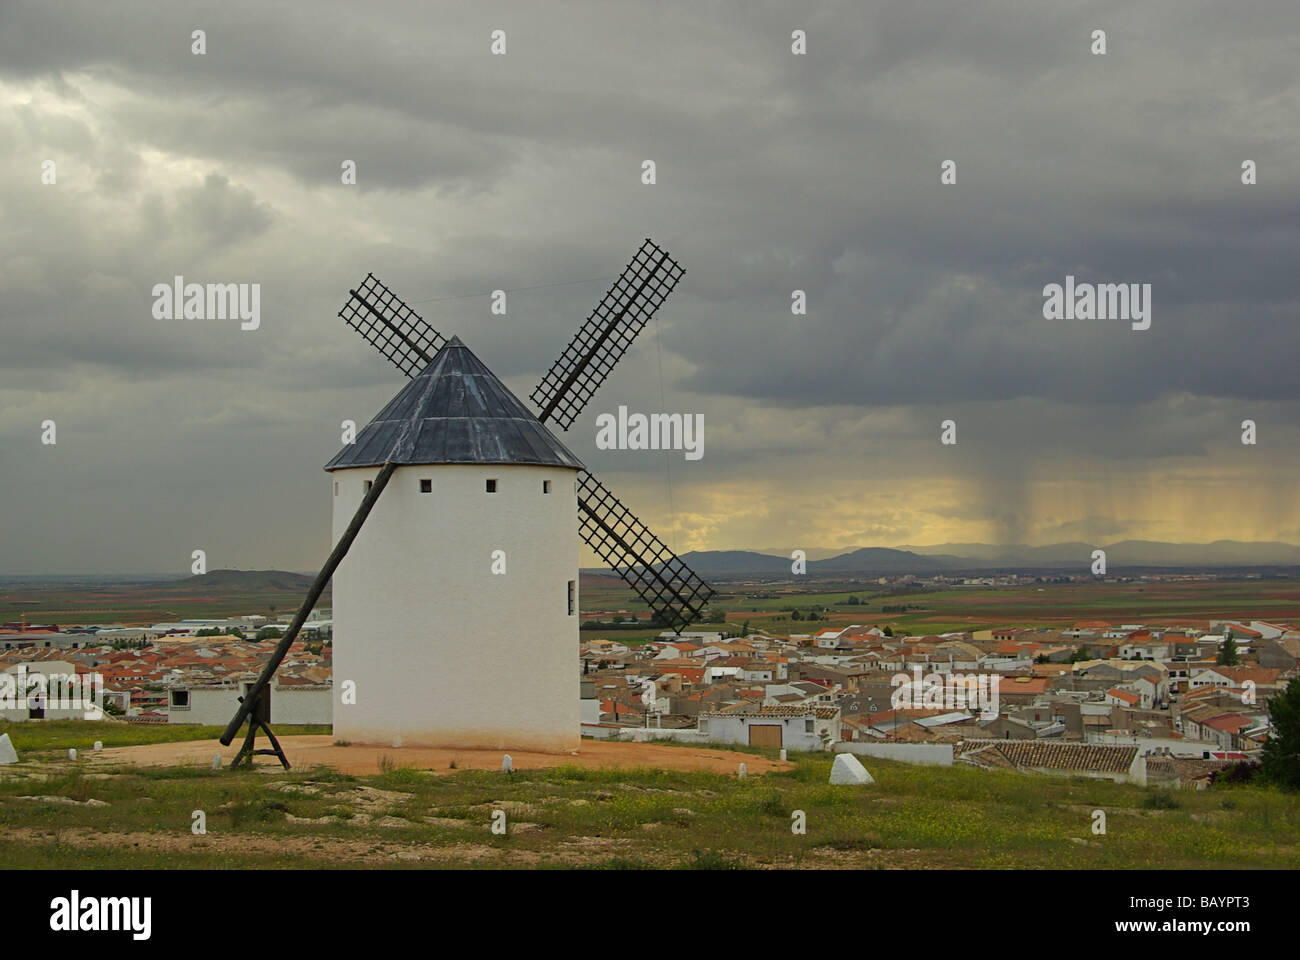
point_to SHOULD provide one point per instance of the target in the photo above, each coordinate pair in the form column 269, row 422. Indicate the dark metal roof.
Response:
column 455, row 411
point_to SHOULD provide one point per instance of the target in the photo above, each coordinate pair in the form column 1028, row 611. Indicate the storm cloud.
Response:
column 775, row 172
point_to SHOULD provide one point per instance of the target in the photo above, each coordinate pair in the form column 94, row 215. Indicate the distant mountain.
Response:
column 883, row 560
column 1052, row 553
column 958, row 557
column 1151, row 553
column 239, row 581
column 735, row 561
column 876, row 560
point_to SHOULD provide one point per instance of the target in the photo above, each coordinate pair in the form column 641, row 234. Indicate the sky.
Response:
column 774, row 172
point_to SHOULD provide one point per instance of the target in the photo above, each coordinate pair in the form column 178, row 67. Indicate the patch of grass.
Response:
column 72, row 785
column 260, row 810
column 619, row 863
column 709, row 860
column 40, row 736
column 637, row 819
column 1160, row 800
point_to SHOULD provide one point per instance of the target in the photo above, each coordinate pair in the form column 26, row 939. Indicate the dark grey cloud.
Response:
column 775, row 172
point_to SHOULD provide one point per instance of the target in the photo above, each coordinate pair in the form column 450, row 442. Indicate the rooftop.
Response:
column 455, row 411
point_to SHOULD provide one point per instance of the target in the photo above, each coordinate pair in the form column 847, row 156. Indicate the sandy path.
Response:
column 307, row 752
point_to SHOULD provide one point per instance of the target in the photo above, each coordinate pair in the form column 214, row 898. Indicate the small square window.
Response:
column 491, row 486
column 426, row 486
column 546, row 486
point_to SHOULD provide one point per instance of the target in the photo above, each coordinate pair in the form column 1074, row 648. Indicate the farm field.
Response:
column 272, row 593
column 123, row 816
column 217, row 595
column 935, row 611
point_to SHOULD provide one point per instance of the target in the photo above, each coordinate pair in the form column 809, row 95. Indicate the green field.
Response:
column 218, row 595
column 233, row 593
column 1046, row 605
column 914, row 817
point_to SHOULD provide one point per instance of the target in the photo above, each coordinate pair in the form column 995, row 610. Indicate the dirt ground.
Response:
column 361, row 759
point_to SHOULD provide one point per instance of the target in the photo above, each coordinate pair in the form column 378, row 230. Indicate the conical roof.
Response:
column 455, row 411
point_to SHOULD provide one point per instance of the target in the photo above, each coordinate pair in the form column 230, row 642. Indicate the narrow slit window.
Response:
column 491, row 486
column 426, row 486
column 573, row 596
column 336, row 488
column 369, row 484
column 546, row 486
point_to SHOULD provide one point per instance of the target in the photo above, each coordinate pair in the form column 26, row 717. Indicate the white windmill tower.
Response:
column 455, row 612
column 455, row 617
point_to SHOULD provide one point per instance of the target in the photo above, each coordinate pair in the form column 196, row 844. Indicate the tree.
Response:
column 744, row 630
column 889, row 631
column 1228, row 653
column 268, row 633
column 1280, row 761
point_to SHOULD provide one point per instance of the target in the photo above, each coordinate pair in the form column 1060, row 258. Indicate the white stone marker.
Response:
column 216, row 761
column 7, row 752
column 99, row 745
column 783, row 754
column 847, row 770
column 742, row 772
column 72, row 753
column 507, row 765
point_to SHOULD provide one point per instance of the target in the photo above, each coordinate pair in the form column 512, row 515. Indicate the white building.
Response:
column 214, row 704
column 456, row 609
column 45, row 690
column 795, row 728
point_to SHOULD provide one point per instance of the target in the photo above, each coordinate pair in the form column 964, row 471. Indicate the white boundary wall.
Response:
column 921, row 754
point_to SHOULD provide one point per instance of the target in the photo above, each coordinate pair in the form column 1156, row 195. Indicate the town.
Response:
column 1167, row 705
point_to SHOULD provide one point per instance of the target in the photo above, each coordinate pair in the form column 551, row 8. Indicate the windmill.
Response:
column 452, row 428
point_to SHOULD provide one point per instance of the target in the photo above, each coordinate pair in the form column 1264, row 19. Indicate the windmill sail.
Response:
column 661, row 578
column 393, row 328
column 602, row 340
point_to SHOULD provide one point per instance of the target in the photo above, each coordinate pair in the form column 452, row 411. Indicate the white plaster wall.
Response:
column 735, row 729
column 214, row 706
column 442, row 651
column 922, row 754
column 301, row 704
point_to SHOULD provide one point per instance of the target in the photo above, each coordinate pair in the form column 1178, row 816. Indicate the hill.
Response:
column 585, row 815
column 975, row 557
column 239, row 582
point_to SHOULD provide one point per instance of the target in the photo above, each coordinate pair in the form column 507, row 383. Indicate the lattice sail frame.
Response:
column 661, row 578
column 399, row 333
column 674, row 592
column 606, row 334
